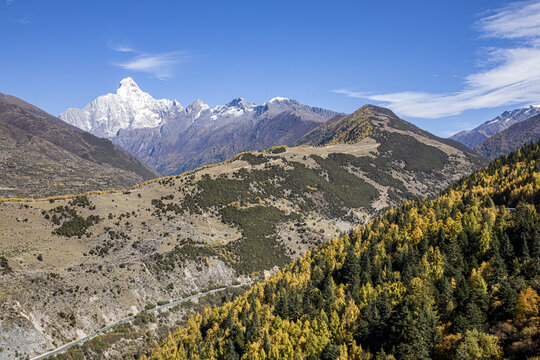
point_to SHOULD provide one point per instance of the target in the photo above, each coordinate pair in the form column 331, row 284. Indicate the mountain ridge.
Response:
column 489, row 128
column 174, row 139
column 510, row 139
column 43, row 156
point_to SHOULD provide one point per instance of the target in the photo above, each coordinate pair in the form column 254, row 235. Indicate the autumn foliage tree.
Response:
column 456, row 277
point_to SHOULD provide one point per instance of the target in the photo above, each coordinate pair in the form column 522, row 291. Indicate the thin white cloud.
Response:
column 509, row 76
column 122, row 48
column 161, row 65
column 517, row 21
column 448, row 133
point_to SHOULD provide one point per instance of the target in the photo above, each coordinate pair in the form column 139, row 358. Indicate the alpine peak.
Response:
column 128, row 82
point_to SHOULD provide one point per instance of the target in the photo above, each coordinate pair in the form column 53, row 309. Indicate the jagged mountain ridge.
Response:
column 40, row 155
column 475, row 136
column 174, row 139
column 211, row 227
column 511, row 138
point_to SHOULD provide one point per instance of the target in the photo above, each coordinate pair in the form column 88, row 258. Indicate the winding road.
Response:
column 129, row 318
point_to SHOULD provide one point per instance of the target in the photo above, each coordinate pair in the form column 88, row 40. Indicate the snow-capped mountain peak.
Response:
column 128, row 108
column 240, row 103
column 128, row 88
column 278, row 99
column 489, row 128
column 507, row 119
column 128, row 83
column 195, row 109
column 233, row 109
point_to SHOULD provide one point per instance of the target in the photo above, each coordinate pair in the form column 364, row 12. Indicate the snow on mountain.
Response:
column 174, row 139
column 128, row 108
column 234, row 108
column 131, row 108
column 489, row 128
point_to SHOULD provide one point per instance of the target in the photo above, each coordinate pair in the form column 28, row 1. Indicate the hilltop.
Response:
column 370, row 121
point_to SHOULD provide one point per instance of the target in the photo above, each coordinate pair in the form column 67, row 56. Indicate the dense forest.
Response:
column 456, row 277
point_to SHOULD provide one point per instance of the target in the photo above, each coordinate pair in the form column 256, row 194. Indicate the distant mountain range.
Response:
column 174, row 139
column 511, row 138
column 41, row 155
column 474, row 137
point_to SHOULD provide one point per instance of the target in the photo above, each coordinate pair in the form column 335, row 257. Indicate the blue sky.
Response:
column 443, row 65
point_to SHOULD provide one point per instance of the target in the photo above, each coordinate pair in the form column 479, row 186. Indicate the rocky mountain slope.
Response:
column 174, row 139
column 474, row 137
column 511, row 138
column 69, row 266
column 452, row 278
column 41, row 155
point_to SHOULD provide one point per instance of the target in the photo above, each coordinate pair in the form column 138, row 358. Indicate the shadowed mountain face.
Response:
column 206, row 144
column 40, row 155
column 173, row 139
column 510, row 139
column 477, row 135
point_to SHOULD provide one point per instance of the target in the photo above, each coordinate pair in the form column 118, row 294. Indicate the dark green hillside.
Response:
column 456, row 277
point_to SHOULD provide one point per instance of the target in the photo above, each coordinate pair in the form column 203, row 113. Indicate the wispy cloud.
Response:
column 121, row 48
column 448, row 133
column 517, row 21
column 508, row 76
column 161, row 65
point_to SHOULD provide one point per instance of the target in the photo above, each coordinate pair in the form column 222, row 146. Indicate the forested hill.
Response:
column 456, row 277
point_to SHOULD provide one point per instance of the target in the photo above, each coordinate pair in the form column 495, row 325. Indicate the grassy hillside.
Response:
column 102, row 256
column 456, row 277
column 42, row 156
column 510, row 139
column 369, row 120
